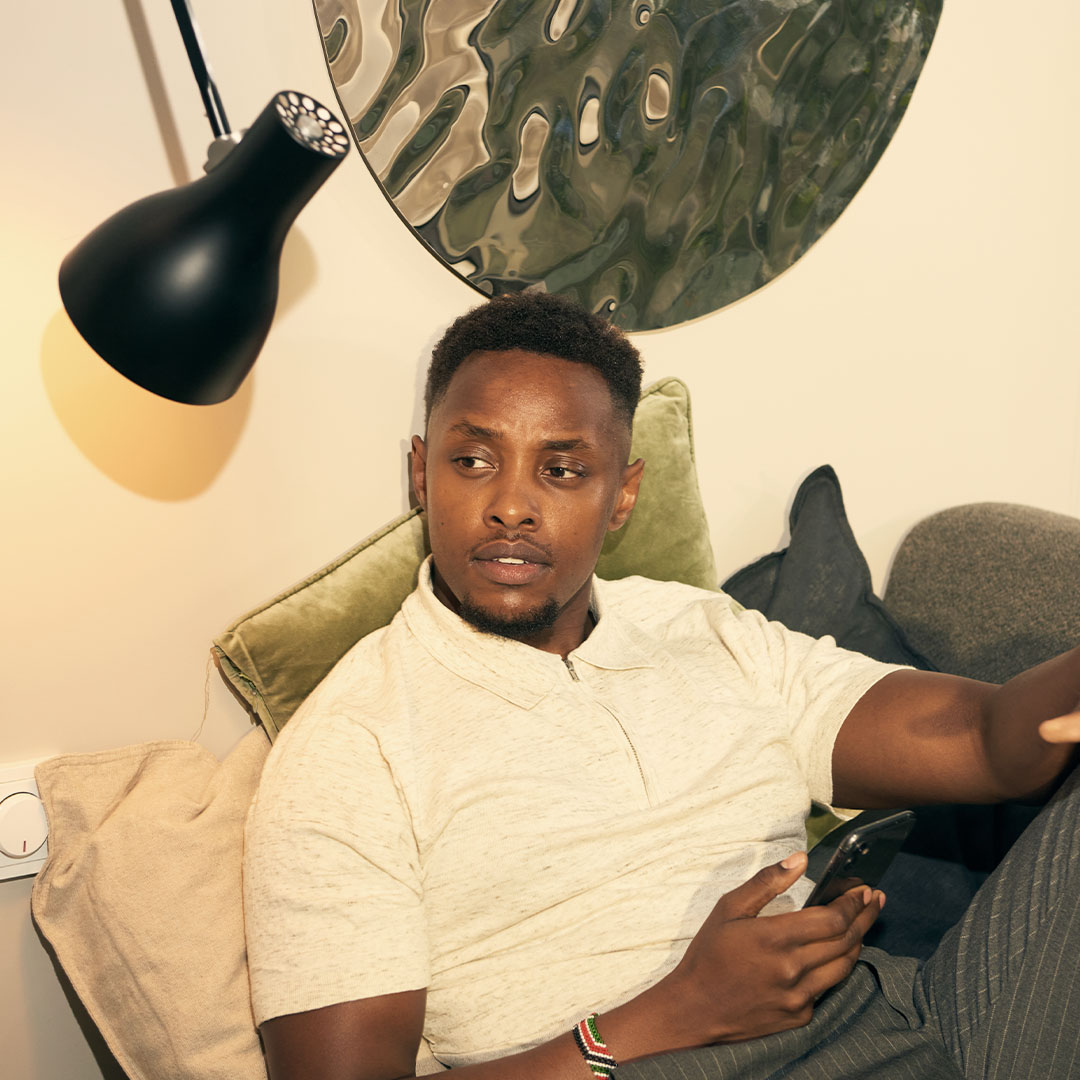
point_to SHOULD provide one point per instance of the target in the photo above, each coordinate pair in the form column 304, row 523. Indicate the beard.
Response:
column 520, row 627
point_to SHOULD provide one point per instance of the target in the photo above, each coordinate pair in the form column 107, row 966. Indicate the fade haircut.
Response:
column 542, row 323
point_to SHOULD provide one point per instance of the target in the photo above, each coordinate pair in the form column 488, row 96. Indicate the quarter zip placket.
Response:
column 625, row 734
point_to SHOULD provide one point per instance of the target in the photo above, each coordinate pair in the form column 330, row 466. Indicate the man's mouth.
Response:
column 508, row 563
column 510, row 552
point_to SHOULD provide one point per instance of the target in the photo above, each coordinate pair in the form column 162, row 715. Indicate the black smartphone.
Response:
column 857, row 852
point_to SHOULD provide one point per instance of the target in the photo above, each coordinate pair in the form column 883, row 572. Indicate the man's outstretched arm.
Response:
column 921, row 737
column 740, row 977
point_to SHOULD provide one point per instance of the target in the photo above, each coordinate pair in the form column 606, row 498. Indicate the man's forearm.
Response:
column 1024, row 764
column 376, row 1038
column 651, row 1023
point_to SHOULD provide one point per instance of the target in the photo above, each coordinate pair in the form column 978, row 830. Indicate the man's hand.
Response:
column 744, row 976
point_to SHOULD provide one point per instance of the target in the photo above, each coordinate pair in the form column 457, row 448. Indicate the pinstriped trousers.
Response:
column 998, row 1000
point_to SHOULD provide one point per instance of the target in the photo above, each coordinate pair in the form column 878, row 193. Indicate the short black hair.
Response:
column 545, row 324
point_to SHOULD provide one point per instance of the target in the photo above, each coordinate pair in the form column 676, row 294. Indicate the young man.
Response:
column 536, row 795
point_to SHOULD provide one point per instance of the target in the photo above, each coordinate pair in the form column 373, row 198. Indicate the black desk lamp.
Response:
column 178, row 290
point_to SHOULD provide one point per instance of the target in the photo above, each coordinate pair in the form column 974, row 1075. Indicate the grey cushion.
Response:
column 987, row 590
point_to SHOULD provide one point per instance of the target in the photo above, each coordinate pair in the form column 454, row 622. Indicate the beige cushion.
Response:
column 140, row 901
column 276, row 655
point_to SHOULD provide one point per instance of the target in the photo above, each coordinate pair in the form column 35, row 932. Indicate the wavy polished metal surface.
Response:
column 653, row 159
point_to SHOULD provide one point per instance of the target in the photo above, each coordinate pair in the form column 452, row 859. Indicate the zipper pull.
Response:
column 570, row 668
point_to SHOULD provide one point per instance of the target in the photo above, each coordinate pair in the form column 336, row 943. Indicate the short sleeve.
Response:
column 819, row 684
column 333, row 897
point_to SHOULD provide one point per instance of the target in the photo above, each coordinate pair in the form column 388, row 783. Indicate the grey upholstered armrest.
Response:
column 989, row 589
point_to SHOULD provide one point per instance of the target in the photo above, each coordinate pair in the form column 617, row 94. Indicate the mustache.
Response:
column 512, row 545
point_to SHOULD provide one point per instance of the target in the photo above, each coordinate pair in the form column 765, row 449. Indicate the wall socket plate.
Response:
column 16, row 777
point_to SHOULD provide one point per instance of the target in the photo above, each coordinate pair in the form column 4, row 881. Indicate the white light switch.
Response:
column 24, row 828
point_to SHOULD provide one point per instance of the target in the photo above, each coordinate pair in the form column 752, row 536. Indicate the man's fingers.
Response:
column 1062, row 729
column 820, row 965
column 825, row 950
column 872, row 902
column 751, row 896
column 857, row 907
column 825, row 976
column 866, row 905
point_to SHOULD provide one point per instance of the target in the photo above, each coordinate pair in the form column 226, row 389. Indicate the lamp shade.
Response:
column 178, row 290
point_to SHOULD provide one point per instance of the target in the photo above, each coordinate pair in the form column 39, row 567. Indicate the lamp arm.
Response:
column 215, row 111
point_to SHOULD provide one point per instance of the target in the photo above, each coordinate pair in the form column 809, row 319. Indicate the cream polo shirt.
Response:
column 529, row 838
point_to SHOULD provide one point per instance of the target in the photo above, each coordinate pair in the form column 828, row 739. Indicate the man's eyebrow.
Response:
column 475, row 431
column 566, row 444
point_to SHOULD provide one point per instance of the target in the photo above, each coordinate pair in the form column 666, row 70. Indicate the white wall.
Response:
column 926, row 347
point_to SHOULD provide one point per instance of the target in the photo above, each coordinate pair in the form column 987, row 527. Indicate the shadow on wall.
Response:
column 144, row 442
column 103, row 1057
column 155, row 90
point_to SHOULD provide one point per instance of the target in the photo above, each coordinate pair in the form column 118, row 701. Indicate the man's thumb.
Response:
column 768, row 883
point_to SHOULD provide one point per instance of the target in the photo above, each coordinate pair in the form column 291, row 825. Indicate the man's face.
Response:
column 523, row 473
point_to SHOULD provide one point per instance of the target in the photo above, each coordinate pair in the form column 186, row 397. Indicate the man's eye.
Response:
column 471, row 464
column 563, row 472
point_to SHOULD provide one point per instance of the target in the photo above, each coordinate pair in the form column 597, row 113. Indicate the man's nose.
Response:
column 513, row 504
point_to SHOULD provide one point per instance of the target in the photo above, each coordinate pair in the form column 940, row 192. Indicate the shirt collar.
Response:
column 516, row 672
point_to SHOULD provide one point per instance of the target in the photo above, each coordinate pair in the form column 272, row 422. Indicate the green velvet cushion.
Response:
column 276, row 655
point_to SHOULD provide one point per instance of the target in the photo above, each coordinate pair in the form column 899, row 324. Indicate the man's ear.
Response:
column 628, row 493
column 418, row 470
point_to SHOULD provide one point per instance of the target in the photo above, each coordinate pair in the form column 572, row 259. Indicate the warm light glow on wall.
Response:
column 147, row 443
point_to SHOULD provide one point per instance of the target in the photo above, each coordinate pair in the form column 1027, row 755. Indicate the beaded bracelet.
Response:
column 593, row 1048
